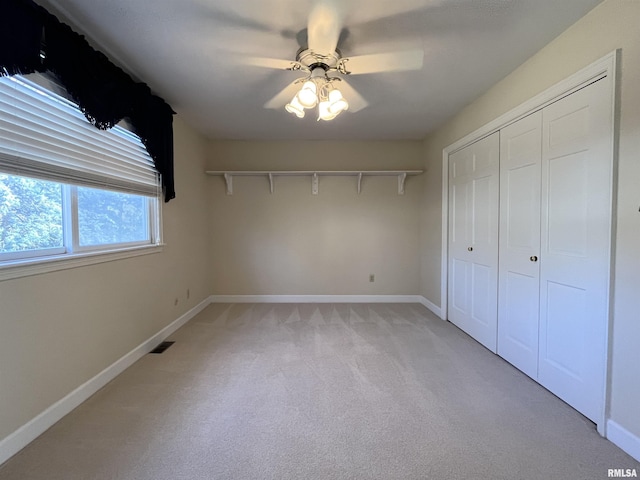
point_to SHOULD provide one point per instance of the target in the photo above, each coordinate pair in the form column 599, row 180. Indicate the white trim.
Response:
column 328, row 299
column 615, row 122
column 431, row 306
column 604, row 67
column 24, row 435
column 38, row 265
column 317, row 299
column 624, row 439
column 444, row 256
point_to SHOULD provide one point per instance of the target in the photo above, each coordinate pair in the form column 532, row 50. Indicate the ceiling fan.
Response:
column 323, row 84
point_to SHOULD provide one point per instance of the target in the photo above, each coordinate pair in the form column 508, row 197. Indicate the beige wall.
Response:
column 611, row 25
column 294, row 243
column 60, row 329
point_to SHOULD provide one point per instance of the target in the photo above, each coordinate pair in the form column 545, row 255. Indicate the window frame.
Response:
column 72, row 254
column 74, row 245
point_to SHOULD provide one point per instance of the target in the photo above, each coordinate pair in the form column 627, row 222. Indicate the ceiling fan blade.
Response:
column 272, row 63
column 382, row 62
column 355, row 100
column 285, row 95
column 324, row 26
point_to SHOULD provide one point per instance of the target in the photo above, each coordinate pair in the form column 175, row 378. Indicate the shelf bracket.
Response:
column 314, row 184
column 270, row 182
column 401, row 179
column 359, row 182
column 228, row 178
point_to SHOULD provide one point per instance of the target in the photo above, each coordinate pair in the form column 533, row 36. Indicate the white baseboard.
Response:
column 624, row 439
column 316, row 299
column 431, row 306
column 19, row 439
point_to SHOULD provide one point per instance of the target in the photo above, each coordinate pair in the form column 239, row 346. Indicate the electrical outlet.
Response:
column 372, row 278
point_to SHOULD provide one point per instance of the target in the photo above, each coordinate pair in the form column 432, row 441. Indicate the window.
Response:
column 31, row 220
column 68, row 191
column 111, row 218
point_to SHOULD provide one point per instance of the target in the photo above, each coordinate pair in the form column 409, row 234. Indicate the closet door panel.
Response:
column 519, row 271
column 567, row 217
column 460, row 170
column 564, row 333
column 473, row 239
column 459, row 303
column 575, row 249
column 483, row 295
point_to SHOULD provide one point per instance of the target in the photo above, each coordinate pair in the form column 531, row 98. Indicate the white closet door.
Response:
column 519, row 271
column 473, row 239
column 575, row 247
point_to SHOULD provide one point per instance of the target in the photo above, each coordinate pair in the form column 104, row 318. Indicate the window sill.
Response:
column 37, row 266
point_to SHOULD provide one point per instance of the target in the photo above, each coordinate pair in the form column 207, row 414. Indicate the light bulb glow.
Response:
column 318, row 90
column 337, row 103
column 307, row 95
column 295, row 107
column 324, row 113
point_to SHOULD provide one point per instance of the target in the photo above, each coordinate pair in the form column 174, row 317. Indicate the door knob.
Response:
column 470, row 249
column 533, row 258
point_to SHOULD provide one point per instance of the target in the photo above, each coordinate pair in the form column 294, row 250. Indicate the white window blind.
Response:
column 46, row 136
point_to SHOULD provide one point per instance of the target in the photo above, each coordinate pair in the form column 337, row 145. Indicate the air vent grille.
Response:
column 162, row 347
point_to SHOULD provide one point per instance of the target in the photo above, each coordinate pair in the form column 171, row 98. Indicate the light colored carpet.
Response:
column 320, row 391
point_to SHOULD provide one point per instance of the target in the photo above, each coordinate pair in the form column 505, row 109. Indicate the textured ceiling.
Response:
column 191, row 52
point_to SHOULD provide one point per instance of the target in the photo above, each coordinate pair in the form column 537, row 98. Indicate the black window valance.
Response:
column 33, row 40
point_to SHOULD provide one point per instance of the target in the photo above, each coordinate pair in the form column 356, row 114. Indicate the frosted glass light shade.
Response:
column 337, row 103
column 307, row 96
column 295, row 107
column 324, row 113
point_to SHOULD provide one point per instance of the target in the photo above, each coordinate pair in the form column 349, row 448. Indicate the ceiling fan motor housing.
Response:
column 313, row 60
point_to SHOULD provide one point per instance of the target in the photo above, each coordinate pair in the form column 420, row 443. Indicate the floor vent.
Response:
column 162, row 347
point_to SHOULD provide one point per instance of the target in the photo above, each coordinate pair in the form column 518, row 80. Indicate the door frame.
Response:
column 605, row 68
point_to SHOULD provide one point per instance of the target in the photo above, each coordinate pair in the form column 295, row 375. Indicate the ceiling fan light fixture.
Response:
column 308, row 96
column 324, row 113
column 295, row 107
column 337, row 103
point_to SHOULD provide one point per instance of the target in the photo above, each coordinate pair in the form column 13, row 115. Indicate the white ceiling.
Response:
column 190, row 53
